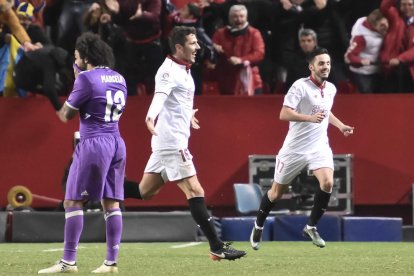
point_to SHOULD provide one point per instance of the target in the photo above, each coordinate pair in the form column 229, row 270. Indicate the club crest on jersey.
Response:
column 319, row 108
column 165, row 76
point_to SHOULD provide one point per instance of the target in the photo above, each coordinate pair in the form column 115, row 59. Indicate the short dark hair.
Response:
column 178, row 36
column 316, row 52
column 91, row 47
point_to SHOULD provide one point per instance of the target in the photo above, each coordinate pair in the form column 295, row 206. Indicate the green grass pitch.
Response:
column 273, row 258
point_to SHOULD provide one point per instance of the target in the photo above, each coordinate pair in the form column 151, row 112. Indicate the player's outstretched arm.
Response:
column 345, row 129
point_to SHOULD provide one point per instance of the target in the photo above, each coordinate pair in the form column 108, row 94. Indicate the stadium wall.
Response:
column 35, row 146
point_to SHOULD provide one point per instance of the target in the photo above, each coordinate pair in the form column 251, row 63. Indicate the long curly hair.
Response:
column 92, row 48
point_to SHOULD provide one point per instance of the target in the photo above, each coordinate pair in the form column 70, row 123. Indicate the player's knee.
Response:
column 72, row 203
column 272, row 195
column 109, row 204
column 326, row 186
column 147, row 195
column 276, row 192
column 193, row 191
column 196, row 192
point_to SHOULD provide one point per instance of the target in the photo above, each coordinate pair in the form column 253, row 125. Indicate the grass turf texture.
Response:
column 273, row 258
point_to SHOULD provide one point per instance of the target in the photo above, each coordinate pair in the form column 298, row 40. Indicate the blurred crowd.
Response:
column 248, row 47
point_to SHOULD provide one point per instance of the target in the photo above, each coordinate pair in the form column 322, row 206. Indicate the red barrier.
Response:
column 180, row 3
column 35, row 147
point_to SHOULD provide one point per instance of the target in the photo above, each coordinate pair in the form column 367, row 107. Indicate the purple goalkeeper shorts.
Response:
column 97, row 170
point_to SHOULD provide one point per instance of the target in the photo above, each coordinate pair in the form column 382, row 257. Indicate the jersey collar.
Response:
column 321, row 86
column 181, row 62
column 317, row 83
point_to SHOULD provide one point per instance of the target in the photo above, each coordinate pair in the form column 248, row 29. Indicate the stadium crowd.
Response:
column 248, row 47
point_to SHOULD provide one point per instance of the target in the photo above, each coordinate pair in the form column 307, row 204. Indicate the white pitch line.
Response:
column 52, row 250
column 58, row 249
column 186, row 245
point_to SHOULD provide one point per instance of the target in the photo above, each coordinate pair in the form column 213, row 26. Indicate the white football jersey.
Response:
column 307, row 97
column 174, row 120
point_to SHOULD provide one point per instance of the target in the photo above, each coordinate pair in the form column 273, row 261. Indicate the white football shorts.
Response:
column 289, row 165
column 173, row 165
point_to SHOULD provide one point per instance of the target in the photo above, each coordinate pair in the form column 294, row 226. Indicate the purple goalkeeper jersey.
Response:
column 100, row 96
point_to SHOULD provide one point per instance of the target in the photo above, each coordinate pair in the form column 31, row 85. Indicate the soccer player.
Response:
column 170, row 159
column 98, row 168
column 307, row 107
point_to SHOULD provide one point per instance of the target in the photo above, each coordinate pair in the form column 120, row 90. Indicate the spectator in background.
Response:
column 397, row 53
column 329, row 24
column 96, row 17
column 4, row 57
column 215, row 14
column 36, row 33
column 38, row 8
column 262, row 15
column 48, row 71
column 296, row 64
column 290, row 16
column 9, row 17
column 363, row 52
column 140, row 20
column 70, row 23
column 14, row 46
column 240, row 49
column 51, row 13
column 98, row 20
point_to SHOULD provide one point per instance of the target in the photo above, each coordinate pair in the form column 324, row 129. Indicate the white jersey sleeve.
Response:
column 293, row 96
column 164, row 81
column 156, row 105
